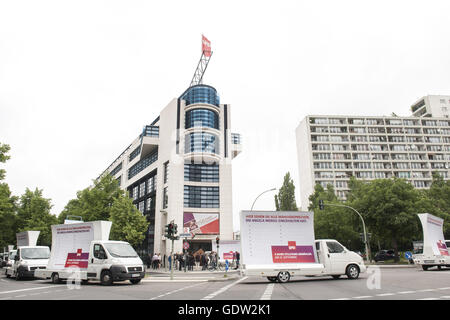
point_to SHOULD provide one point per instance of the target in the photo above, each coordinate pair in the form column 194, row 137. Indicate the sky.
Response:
column 80, row 79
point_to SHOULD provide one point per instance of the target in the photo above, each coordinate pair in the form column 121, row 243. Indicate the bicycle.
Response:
column 216, row 267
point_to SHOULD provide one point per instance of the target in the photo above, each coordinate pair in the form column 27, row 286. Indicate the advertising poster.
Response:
column 271, row 237
column 27, row 238
column 433, row 235
column 70, row 245
column 227, row 248
column 201, row 223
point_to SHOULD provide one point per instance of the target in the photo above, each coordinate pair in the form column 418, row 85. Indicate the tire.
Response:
column 272, row 279
column 135, row 281
column 425, row 268
column 55, row 278
column 18, row 276
column 352, row 272
column 283, row 277
column 106, row 278
column 336, row 276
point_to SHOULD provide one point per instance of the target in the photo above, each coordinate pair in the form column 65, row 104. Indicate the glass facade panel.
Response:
column 202, row 118
column 201, row 94
column 142, row 164
column 202, row 142
column 201, row 197
column 201, row 172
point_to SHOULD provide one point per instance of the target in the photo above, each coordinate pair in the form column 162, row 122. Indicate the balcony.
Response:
column 236, row 144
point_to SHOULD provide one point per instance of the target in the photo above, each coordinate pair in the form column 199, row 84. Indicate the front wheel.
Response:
column 55, row 278
column 352, row 272
column 135, row 281
column 283, row 277
column 425, row 268
column 106, row 278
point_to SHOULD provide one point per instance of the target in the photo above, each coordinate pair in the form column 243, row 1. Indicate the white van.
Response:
column 26, row 260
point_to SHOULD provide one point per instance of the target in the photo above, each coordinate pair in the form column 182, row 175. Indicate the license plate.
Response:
column 135, row 275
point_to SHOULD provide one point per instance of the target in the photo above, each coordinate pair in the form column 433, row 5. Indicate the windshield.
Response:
column 35, row 253
column 121, row 250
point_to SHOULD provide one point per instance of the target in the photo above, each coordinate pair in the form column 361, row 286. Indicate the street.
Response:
column 401, row 283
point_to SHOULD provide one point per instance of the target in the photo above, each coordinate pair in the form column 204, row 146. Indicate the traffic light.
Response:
column 170, row 230
column 321, row 204
column 217, row 240
column 166, row 231
column 175, row 229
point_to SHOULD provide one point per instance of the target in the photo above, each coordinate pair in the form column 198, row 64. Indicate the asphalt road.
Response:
column 377, row 284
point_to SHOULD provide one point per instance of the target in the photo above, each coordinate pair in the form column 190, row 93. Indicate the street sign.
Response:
column 186, row 245
column 408, row 255
column 185, row 235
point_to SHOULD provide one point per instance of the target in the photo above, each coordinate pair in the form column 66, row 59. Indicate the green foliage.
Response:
column 94, row 203
column 4, row 149
column 334, row 222
column 389, row 208
column 106, row 201
column 8, row 219
column 285, row 200
column 34, row 215
column 128, row 224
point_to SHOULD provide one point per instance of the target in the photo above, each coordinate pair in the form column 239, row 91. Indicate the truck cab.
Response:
column 114, row 261
column 27, row 259
column 338, row 260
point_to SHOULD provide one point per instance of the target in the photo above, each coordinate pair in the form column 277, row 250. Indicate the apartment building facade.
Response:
column 331, row 149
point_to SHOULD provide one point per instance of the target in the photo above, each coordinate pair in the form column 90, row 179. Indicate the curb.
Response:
column 392, row 266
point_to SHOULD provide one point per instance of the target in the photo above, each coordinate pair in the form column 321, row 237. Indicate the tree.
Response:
column 34, row 215
column 389, row 208
column 285, row 201
column 128, row 224
column 106, row 201
column 333, row 222
column 94, row 203
column 8, row 205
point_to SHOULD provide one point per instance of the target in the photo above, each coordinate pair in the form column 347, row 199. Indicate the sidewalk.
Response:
column 393, row 265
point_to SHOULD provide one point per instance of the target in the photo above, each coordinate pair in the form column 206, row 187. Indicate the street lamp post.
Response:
column 261, row 195
column 364, row 227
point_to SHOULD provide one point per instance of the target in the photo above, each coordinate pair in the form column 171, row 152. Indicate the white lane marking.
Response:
column 445, row 297
column 174, row 291
column 340, row 299
column 222, row 290
column 405, row 292
column 426, row 290
column 20, row 290
column 21, row 296
column 268, row 292
column 168, row 280
column 362, row 297
column 447, row 288
column 384, row 294
column 428, row 299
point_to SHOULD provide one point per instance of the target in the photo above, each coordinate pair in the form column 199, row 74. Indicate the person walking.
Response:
column 238, row 257
column 197, row 261
column 203, row 261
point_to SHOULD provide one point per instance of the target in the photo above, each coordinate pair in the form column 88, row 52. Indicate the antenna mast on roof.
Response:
column 203, row 63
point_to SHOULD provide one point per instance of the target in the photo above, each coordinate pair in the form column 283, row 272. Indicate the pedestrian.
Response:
column 197, row 261
column 238, row 257
column 148, row 260
column 159, row 261
column 170, row 260
column 154, row 261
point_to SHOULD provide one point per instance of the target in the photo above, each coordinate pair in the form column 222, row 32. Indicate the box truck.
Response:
column 28, row 256
column 435, row 252
column 280, row 244
column 82, row 251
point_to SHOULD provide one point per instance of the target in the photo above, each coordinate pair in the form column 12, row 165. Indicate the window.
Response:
column 99, row 252
column 201, row 197
column 135, row 193
column 334, row 247
column 142, row 189
column 135, row 153
column 201, row 142
column 151, row 184
column 116, row 169
column 166, row 171
column 165, row 198
column 141, row 207
column 201, row 172
column 142, row 164
column 202, row 118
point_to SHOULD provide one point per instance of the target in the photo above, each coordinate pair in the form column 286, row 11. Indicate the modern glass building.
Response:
column 179, row 168
column 332, row 148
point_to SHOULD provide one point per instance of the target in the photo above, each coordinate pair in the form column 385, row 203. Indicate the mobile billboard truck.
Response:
column 28, row 256
column 82, row 251
column 280, row 244
column 435, row 252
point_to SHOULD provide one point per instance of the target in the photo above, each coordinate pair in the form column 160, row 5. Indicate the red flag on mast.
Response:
column 206, row 46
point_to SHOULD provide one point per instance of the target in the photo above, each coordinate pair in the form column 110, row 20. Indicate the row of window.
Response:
column 373, row 165
column 202, row 142
column 142, row 164
column 201, row 172
column 145, row 187
column 379, row 156
column 201, row 197
column 202, row 118
column 381, row 122
column 116, row 169
column 326, row 138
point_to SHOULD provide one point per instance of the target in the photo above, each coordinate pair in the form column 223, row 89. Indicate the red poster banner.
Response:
column 206, row 46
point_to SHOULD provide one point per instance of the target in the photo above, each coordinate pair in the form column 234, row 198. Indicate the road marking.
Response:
column 362, row 297
column 21, row 296
column 447, row 288
column 384, row 294
column 268, row 293
column 174, row 291
column 428, row 299
column 445, row 297
column 20, row 290
column 340, row 299
column 405, row 292
column 212, row 295
column 426, row 290
column 168, row 280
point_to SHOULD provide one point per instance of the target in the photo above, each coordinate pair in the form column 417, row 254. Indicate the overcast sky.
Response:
column 80, row 79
